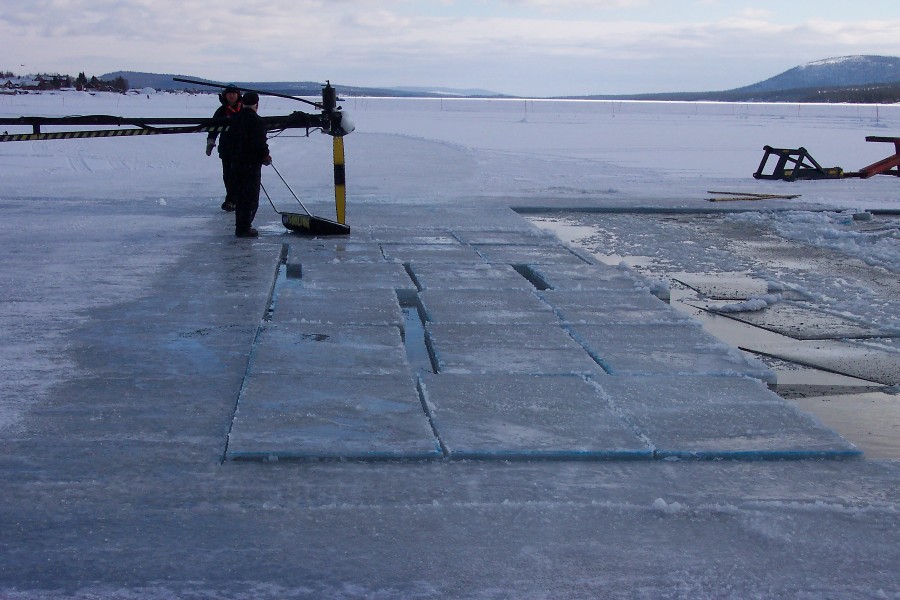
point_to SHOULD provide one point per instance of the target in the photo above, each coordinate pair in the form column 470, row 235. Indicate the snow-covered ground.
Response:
column 615, row 151
column 89, row 224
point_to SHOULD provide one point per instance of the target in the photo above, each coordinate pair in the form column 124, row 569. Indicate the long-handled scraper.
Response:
column 306, row 223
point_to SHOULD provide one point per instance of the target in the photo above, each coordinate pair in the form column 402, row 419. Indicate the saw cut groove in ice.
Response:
column 665, row 349
column 413, row 333
column 281, row 272
column 532, row 277
column 538, row 349
column 724, row 286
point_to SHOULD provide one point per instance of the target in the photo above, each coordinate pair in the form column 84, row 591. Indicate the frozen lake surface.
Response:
column 141, row 346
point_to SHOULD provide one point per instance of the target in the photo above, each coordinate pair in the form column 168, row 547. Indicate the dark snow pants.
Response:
column 247, row 180
column 228, row 180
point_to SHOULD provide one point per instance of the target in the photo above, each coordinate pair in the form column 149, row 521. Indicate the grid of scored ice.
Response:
column 533, row 353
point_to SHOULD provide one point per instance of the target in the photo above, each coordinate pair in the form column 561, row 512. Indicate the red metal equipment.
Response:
column 887, row 166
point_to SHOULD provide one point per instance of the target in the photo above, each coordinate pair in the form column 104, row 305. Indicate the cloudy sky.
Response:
column 520, row 47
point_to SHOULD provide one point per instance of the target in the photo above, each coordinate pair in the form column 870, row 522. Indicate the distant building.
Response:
column 21, row 83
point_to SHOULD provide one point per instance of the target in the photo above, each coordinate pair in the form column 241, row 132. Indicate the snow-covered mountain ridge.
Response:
column 834, row 72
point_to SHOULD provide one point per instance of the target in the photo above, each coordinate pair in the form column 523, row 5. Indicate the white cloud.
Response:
column 556, row 5
column 369, row 42
column 757, row 13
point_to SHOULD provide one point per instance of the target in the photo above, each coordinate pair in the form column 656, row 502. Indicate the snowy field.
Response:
column 434, row 150
column 88, row 224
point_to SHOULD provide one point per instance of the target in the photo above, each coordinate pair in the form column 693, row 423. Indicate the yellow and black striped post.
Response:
column 340, row 181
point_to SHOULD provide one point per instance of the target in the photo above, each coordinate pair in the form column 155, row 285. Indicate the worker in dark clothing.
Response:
column 231, row 106
column 251, row 152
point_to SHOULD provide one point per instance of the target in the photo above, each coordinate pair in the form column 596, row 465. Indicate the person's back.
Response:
column 251, row 152
column 249, row 146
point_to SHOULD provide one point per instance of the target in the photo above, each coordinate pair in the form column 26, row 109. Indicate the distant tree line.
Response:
column 46, row 81
column 119, row 84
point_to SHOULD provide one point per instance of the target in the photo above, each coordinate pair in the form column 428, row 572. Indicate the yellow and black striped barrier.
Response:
column 104, row 133
column 130, row 126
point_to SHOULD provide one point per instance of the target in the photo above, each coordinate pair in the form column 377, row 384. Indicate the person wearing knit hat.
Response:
column 230, row 99
column 251, row 153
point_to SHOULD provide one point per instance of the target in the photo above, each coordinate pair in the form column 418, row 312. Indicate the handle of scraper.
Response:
column 268, row 197
column 290, row 190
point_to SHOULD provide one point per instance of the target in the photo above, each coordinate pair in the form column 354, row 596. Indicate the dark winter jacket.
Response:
column 226, row 139
column 250, row 147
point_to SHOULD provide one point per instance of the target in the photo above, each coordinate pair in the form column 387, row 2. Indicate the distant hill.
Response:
column 867, row 79
column 164, row 81
column 137, row 80
column 445, row 91
column 844, row 71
